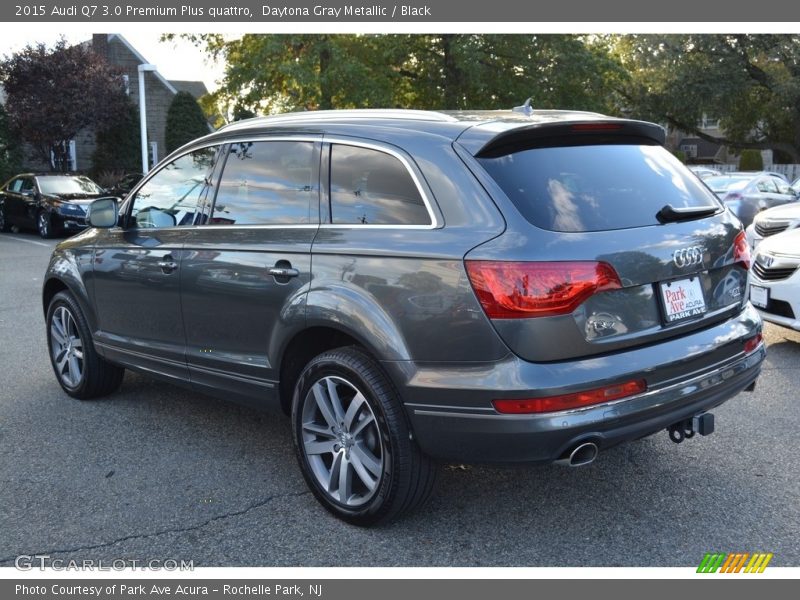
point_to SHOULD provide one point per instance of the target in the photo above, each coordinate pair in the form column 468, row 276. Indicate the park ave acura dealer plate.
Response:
column 682, row 299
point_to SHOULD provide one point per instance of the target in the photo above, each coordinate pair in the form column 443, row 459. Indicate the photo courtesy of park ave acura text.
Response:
column 399, row 300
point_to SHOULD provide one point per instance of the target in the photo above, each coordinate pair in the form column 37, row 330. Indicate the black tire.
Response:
column 379, row 431
column 80, row 371
column 44, row 225
column 5, row 226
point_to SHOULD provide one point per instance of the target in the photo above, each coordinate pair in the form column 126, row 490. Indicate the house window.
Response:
column 690, row 150
column 64, row 157
column 153, row 153
column 709, row 122
column 126, row 82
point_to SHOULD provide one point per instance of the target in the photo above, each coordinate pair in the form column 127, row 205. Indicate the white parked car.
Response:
column 704, row 172
column 775, row 279
column 771, row 222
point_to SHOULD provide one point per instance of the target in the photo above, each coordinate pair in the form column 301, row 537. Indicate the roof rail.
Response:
column 331, row 115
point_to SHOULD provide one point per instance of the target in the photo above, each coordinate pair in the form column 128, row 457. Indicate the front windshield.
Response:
column 67, row 184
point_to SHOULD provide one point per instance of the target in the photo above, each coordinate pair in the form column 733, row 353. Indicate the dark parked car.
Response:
column 747, row 194
column 124, row 184
column 48, row 202
column 412, row 286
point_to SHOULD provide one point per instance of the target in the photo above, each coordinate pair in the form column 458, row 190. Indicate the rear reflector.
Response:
column 568, row 401
column 518, row 290
column 741, row 250
column 753, row 343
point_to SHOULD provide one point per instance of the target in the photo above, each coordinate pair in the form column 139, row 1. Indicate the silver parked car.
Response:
column 747, row 194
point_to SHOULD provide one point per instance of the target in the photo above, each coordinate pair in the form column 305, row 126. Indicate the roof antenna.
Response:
column 525, row 109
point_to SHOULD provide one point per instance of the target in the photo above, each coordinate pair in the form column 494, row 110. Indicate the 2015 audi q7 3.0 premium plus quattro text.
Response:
column 412, row 286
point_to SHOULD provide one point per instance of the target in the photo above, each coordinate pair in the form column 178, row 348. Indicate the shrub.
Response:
column 10, row 149
column 185, row 121
column 751, row 160
column 118, row 148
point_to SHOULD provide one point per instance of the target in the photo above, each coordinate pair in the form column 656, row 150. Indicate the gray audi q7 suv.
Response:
column 412, row 286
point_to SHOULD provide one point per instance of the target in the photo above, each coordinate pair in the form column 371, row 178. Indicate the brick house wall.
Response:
column 160, row 92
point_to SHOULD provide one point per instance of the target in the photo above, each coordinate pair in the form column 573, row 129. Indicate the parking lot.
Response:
column 157, row 472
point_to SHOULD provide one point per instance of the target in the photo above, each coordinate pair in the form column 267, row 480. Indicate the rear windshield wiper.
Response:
column 670, row 214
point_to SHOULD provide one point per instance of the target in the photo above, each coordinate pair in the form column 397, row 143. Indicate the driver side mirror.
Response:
column 103, row 212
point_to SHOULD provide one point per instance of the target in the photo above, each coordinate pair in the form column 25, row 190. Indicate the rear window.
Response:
column 596, row 188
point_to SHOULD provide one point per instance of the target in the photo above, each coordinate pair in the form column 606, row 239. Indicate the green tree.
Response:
column 456, row 71
column 53, row 94
column 185, row 121
column 750, row 82
column 10, row 149
column 118, row 147
column 278, row 73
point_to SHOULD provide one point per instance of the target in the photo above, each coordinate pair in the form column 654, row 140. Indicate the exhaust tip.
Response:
column 583, row 454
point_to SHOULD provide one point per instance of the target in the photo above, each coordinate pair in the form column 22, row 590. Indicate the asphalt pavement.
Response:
column 158, row 472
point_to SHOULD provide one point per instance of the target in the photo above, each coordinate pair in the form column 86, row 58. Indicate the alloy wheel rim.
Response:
column 42, row 224
column 342, row 442
column 66, row 347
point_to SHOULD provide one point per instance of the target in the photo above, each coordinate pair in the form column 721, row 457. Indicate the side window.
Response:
column 768, row 186
column 173, row 196
column 268, row 183
column 783, row 187
column 26, row 185
column 16, row 185
column 371, row 187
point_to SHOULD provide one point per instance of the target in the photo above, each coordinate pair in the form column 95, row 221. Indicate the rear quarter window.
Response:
column 370, row 187
column 596, row 188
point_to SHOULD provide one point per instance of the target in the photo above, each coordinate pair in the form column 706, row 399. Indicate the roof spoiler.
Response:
column 573, row 133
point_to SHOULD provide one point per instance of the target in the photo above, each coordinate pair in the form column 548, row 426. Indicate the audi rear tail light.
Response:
column 741, row 250
column 518, row 290
column 754, row 342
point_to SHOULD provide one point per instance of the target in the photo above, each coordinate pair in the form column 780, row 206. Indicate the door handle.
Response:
column 283, row 272
column 167, row 266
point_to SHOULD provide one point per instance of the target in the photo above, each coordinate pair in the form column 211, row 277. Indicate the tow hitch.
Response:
column 683, row 430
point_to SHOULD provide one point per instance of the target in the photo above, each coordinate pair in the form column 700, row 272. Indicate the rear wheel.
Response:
column 4, row 224
column 80, row 371
column 353, row 442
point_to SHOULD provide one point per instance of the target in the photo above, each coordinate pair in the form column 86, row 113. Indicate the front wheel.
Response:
column 44, row 224
column 80, row 371
column 353, row 442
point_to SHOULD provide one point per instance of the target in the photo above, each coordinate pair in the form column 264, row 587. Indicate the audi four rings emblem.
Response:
column 686, row 257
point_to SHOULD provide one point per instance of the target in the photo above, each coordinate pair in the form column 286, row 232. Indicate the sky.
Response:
column 175, row 60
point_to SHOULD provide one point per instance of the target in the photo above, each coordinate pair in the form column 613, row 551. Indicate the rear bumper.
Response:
column 450, row 408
